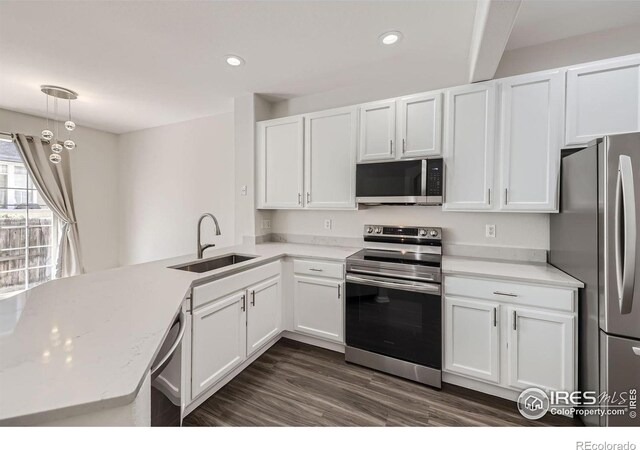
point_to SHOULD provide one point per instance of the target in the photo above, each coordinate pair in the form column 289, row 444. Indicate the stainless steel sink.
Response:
column 213, row 263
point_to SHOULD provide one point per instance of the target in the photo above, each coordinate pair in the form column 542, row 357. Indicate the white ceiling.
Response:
column 143, row 64
column 541, row 21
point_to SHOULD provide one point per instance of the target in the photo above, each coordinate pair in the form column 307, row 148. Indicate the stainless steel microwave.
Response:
column 416, row 182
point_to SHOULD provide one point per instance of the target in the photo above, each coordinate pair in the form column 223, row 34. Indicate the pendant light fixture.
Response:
column 57, row 92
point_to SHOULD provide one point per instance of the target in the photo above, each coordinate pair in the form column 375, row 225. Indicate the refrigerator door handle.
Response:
column 625, row 234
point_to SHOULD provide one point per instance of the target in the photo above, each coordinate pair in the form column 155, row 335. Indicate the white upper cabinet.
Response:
column 603, row 98
column 419, row 127
column 469, row 134
column 280, row 163
column 377, row 131
column 531, row 117
column 330, row 158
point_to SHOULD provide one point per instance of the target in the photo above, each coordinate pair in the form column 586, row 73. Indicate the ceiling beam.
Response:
column 491, row 29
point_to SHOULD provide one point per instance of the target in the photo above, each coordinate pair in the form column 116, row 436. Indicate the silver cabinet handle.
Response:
column 315, row 270
column 308, row 197
column 489, row 196
column 403, row 146
column 515, row 320
column 391, row 147
column 506, row 196
column 253, row 298
column 299, row 198
column 507, row 294
column 495, row 317
column 625, row 257
column 167, row 357
column 339, row 295
column 244, row 303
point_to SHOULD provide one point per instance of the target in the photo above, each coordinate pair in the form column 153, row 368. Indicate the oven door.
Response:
column 396, row 318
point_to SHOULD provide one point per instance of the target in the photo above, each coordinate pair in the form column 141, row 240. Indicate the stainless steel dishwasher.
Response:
column 166, row 377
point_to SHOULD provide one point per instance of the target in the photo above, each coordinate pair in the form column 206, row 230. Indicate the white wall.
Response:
column 512, row 230
column 570, row 51
column 95, row 178
column 169, row 176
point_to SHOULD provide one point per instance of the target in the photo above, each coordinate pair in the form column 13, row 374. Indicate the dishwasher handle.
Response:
column 164, row 361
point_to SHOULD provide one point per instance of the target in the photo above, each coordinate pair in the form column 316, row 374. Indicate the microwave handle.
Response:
column 423, row 179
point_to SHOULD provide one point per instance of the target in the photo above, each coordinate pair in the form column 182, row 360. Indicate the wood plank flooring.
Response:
column 295, row 384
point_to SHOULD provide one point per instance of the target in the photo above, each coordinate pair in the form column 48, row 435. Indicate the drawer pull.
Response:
column 506, row 294
column 244, row 302
column 315, row 270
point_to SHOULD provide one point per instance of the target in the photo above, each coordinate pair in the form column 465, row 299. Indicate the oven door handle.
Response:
column 427, row 288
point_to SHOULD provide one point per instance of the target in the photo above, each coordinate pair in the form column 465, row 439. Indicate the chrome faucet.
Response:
column 201, row 248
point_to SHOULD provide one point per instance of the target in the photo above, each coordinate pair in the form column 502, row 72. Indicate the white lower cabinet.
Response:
column 505, row 337
column 471, row 345
column 218, row 340
column 264, row 319
column 232, row 318
column 318, row 307
column 541, row 349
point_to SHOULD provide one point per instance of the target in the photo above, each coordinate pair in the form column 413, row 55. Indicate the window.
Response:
column 28, row 228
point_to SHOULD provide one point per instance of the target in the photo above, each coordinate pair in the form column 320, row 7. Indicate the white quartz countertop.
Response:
column 540, row 273
column 83, row 343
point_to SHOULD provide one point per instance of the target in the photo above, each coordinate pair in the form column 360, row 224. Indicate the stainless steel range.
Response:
column 394, row 303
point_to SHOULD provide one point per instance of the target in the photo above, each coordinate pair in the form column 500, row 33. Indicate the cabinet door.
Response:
column 218, row 340
column 330, row 158
column 471, row 341
column 279, row 163
column 377, row 131
column 532, row 115
column 541, row 349
column 264, row 320
column 420, row 125
column 469, row 141
column 603, row 98
column 318, row 307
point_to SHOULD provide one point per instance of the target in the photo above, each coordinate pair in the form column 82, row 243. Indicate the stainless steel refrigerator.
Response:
column 595, row 238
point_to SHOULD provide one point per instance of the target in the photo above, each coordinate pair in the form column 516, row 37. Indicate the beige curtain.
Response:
column 54, row 183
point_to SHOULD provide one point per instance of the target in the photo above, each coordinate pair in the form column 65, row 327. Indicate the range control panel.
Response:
column 400, row 232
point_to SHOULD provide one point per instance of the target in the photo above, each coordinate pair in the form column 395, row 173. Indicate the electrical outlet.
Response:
column 327, row 224
column 266, row 224
column 243, row 190
column 491, row 231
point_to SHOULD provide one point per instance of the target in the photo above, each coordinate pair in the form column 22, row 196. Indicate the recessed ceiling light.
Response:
column 390, row 37
column 234, row 60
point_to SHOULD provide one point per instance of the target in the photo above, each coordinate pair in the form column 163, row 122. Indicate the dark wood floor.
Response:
column 294, row 384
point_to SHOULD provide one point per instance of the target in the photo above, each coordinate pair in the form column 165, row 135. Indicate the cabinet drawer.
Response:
column 225, row 286
column 319, row 268
column 514, row 293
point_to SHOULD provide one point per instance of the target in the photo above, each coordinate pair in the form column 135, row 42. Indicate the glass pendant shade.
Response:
column 69, row 144
column 70, row 125
column 57, row 148
column 47, row 135
column 55, row 158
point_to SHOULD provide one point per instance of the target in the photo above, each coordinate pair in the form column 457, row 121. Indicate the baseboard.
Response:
column 480, row 386
column 317, row 342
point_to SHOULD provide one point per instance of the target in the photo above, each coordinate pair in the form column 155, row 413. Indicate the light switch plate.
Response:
column 490, row 231
column 266, row 224
column 327, row 224
column 243, row 190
